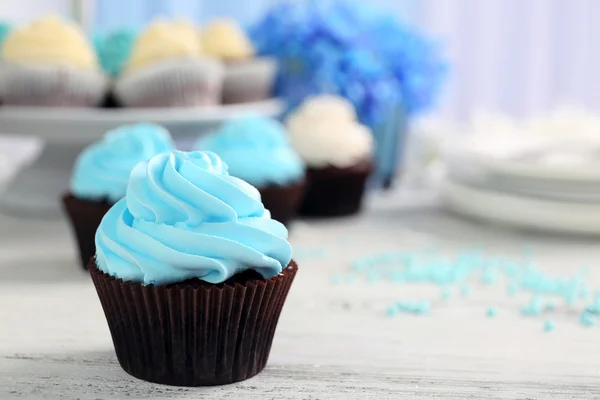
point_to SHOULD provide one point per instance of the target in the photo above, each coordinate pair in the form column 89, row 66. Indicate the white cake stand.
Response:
column 36, row 189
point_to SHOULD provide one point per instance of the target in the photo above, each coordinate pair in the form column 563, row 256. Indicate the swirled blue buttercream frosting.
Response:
column 185, row 217
column 257, row 150
column 102, row 170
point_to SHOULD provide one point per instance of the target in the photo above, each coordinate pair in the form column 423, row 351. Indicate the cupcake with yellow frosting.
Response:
column 50, row 62
column 247, row 77
column 168, row 69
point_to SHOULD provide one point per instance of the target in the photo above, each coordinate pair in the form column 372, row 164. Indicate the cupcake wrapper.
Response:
column 85, row 217
column 186, row 82
column 283, row 201
column 333, row 191
column 51, row 85
column 249, row 80
column 193, row 333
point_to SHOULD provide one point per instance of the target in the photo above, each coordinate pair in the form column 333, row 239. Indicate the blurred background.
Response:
column 456, row 92
column 519, row 57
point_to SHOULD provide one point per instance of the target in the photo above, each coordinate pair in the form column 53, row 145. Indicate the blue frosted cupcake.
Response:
column 258, row 150
column 192, row 273
column 101, row 174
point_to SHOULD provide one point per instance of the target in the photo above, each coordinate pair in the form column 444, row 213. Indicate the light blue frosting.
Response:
column 257, row 150
column 102, row 170
column 185, row 217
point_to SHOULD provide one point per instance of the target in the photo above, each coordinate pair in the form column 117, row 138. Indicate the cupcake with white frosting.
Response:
column 247, row 77
column 168, row 69
column 337, row 149
column 50, row 62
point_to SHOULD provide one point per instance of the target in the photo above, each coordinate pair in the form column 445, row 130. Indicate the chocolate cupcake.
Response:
column 191, row 272
column 167, row 69
column 258, row 151
column 50, row 63
column 338, row 151
column 100, row 177
column 247, row 78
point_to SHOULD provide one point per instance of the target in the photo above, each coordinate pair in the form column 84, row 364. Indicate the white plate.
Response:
column 522, row 211
column 529, row 160
column 87, row 125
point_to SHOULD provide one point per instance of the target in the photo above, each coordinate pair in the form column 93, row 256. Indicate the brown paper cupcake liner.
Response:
column 283, row 201
column 334, row 191
column 85, row 217
column 51, row 86
column 249, row 80
column 193, row 333
column 188, row 82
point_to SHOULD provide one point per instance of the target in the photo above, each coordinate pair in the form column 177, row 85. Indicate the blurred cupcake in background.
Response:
column 338, row 151
column 167, row 69
column 5, row 28
column 113, row 50
column 247, row 77
column 50, row 62
column 258, row 150
column 101, row 173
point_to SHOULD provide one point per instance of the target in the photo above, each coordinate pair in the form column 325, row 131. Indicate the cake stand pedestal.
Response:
column 36, row 189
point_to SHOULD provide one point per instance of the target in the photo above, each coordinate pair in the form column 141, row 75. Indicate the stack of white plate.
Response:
column 544, row 174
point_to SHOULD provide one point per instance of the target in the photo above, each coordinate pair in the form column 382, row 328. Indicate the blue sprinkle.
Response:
column 550, row 306
column 392, row 311
column 422, row 307
column 360, row 265
column 398, row 277
column 594, row 308
column 549, row 326
column 446, row 292
column 570, row 296
column 489, row 276
column 419, row 307
column 465, row 291
column 511, row 269
column 533, row 308
column 584, row 293
column 491, row 312
column 373, row 277
column 513, row 288
column 587, row 319
column 350, row 278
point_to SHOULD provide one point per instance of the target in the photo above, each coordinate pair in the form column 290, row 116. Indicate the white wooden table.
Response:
column 333, row 341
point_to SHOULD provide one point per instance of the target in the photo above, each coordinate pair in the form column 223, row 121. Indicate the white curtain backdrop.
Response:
column 517, row 56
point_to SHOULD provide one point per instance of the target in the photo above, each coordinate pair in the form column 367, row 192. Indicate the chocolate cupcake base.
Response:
column 283, row 201
column 193, row 333
column 85, row 217
column 333, row 191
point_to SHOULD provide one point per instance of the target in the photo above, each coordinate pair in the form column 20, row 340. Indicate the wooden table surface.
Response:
column 333, row 341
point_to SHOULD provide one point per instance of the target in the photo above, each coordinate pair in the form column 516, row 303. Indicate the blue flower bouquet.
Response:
column 358, row 51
